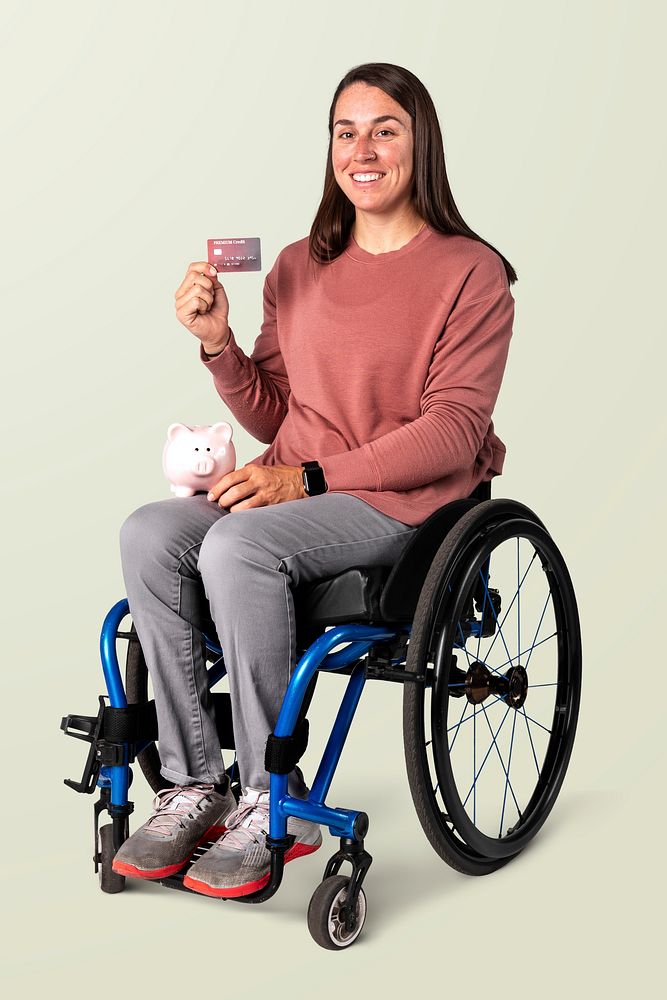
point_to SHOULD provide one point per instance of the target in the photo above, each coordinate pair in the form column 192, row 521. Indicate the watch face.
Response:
column 313, row 480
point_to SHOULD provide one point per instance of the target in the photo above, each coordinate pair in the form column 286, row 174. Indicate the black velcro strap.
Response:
column 283, row 752
column 138, row 723
column 130, row 725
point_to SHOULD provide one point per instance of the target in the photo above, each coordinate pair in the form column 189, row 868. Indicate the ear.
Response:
column 174, row 429
column 222, row 430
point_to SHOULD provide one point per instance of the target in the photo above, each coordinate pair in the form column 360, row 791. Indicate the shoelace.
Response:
column 172, row 805
column 248, row 824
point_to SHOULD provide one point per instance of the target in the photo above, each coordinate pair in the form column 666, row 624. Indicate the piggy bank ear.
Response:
column 222, row 430
column 175, row 429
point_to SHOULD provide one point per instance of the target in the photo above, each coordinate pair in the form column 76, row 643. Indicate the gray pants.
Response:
column 185, row 561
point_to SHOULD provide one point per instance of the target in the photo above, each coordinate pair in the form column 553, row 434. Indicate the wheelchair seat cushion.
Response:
column 353, row 595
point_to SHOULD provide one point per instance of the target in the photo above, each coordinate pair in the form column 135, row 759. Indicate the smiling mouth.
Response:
column 368, row 174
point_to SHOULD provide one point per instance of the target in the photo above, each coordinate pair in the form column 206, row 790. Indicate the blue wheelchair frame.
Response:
column 348, row 824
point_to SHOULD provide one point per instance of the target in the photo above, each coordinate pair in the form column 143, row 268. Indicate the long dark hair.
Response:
column 431, row 194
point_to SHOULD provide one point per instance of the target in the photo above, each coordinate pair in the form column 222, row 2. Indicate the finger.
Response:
column 197, row 300
column 231, row 479
column 199, row 267
column 196, row 292
column 236, row 494
column 195, row 281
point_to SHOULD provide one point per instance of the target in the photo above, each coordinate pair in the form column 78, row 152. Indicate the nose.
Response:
column 364, row 150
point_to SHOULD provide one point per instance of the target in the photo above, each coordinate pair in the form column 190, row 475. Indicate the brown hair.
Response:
column 431, row 194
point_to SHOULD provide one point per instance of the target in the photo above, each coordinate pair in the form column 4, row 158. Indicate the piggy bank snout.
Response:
column 204, row 459
column 203, row 464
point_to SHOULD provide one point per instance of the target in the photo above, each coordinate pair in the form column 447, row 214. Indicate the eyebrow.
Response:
column 375, row 121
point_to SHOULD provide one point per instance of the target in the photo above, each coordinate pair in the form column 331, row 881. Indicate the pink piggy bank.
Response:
column 195, row 458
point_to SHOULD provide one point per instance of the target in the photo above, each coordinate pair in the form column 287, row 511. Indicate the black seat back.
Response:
column 401, row 590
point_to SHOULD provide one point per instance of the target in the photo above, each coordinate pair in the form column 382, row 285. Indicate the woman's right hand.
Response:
column 202, row 306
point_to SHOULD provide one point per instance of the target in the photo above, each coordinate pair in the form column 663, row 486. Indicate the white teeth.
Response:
column 367, row 177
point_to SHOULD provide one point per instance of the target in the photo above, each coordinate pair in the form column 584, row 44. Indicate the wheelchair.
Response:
column 491, row 679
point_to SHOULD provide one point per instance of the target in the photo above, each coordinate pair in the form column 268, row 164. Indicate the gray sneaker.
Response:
column 239, row 862
column 183, row 817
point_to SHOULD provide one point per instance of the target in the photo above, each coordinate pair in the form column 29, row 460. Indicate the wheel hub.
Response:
column 517, row 686
column 480, row 683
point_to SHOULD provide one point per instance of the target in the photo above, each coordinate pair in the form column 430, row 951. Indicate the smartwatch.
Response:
column 314, row 482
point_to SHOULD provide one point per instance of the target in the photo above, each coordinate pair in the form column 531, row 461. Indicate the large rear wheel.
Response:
column 489, row 730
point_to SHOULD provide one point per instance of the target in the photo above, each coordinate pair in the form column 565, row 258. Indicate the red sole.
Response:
column 297, row 851
column 123, row 868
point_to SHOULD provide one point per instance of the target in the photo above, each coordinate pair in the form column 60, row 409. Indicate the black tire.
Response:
column 445, row 613
column 324, row 922
column 110, row 881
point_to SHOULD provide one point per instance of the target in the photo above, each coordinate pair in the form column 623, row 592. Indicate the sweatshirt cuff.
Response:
column 351, row 470
column 230, row 367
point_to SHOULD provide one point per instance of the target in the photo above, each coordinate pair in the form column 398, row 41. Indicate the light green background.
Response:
column 131, row 132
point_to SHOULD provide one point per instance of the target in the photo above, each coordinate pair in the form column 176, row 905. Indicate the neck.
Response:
column 384, row 235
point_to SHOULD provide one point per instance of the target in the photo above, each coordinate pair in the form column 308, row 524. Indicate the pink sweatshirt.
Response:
column 385, row 368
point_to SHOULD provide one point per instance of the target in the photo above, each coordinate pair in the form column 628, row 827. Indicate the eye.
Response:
column 208, row 449
column 196, row 449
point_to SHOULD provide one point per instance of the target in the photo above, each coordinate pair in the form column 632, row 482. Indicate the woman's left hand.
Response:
column 258, row 486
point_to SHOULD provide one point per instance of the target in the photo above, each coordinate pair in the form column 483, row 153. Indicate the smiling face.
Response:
column 363, row 145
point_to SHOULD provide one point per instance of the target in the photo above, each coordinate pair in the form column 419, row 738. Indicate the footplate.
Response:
column 175, row 881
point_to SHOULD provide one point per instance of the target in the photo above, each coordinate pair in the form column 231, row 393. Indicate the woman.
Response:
column 382, row 351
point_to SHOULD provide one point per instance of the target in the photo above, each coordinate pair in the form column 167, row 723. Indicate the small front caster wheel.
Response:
column 110, row 881
column 327, row 914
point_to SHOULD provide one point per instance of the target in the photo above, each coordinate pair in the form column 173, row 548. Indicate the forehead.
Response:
column 360, row 104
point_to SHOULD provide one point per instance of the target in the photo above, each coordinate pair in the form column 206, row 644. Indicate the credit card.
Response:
column 235, row 254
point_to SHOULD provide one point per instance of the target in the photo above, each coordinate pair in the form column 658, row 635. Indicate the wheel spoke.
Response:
column 486, row 756
column 530, row 737
column 509, row 608
column 531, row 719
column 500, row 757
column 520, row 655
column 507, row 780
column 499, row 631
column 537, row 629
column 458, row 724
column 468, row 654
column 463, row 721
column 474, row 763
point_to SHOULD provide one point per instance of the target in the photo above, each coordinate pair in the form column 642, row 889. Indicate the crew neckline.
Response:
column 357, row 253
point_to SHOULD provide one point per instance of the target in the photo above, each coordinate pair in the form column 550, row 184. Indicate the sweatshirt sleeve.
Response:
column 456, row 405
column 256, row 388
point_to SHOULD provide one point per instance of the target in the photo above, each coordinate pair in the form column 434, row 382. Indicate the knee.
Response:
column 145, row 529
column 133, row 527
column 233, row 541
